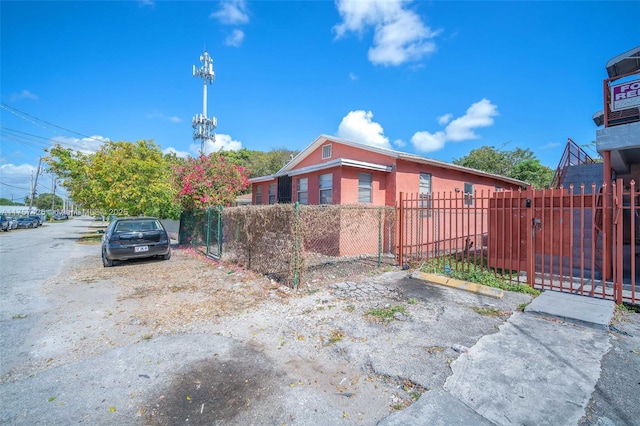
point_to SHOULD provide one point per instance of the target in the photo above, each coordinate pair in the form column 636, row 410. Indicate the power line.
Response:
column 17, row 113
column 13, row 186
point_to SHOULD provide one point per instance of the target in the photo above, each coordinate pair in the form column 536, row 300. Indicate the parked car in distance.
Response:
column 13, row 222
column 4, row 223
column 60, row 216
column 133, row 238
column 37, row 219
column 26, row 222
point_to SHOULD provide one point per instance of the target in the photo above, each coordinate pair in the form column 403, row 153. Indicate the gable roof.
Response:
column 290, row 168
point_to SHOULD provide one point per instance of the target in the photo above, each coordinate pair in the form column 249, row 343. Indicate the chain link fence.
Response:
column 287, row 241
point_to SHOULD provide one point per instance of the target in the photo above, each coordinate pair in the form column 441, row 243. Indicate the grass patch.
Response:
column 628, row 308
column 90, row 238
column 466, row 270
column 490, row 312
column 386, row 314
column 412, row 301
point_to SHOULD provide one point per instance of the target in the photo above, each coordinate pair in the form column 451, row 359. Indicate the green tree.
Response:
column 44, row 201
column 8, row 202
column 259, row 163
column 533, row 172
column 127, row 178
column 517, row 164
column 493, row 160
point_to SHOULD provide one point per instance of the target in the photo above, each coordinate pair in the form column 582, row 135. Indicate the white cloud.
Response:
column 235, row 39
column 352, row 76
column 358, row 126
column 171, row 118
column 87, row 145
column 222, row 143
column 400, row 143
column 232, row 12
column 16, row 180
column 399, row 33
column 444, row 119
column 479, row 114
column 428, row 142
column 149, row 3
column 24, row 94
column 172, row 150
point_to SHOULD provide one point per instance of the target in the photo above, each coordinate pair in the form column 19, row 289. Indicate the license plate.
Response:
column 140, row 249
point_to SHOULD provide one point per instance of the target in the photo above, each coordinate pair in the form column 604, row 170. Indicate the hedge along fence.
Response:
column 283, row 240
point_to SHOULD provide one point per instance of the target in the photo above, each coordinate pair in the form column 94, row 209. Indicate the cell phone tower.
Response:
column 203, row 126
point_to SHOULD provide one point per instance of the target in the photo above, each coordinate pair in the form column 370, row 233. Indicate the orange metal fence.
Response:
column 582, row 240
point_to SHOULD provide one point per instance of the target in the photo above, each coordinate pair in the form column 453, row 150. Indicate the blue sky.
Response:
column 433, row 78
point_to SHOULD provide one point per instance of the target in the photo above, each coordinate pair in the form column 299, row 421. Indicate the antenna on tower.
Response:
column 203, row 126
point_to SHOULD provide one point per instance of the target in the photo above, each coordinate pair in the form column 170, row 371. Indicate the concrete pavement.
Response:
column 541, row 368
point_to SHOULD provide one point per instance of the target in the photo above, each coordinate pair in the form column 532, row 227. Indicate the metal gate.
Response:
column 582, row 240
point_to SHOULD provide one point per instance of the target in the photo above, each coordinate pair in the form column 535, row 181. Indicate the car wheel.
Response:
column 106, row 262
column 167, row 256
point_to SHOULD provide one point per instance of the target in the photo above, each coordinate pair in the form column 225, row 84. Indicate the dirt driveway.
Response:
column 193, row 341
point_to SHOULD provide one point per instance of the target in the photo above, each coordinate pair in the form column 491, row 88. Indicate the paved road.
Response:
column 28, row 257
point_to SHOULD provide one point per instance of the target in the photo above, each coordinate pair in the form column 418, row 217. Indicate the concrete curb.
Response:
column 483, row 290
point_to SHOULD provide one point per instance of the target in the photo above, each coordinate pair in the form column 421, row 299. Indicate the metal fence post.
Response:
column 296, row 255
column 379, row 237
column 208, row 231
column 220, row 208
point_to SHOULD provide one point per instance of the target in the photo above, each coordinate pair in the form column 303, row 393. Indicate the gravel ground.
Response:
column 319, row 355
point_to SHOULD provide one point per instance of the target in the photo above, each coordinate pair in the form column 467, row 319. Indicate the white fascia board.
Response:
column 262, row 179
column 451, row 166
column 340, row 162
column 321, row 140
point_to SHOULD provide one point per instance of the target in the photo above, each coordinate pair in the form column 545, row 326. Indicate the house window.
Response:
column 468, row 194
column 303, row 190
column 259, row 194
column 272, row 193
column 326, row 183
column 326, row 151
column 365, row 187
column 425, row 194
column 498, row 189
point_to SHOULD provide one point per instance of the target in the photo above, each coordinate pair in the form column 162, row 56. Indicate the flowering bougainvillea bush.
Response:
column 209, row 180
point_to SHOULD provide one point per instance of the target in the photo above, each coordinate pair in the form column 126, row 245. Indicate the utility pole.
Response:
column 53, row 198
column 203, row 126
column 34, row 185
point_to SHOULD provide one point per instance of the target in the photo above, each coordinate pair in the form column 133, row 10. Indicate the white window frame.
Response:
column 325, row 188
column 365, row 188
column 302, row 185
column 425, row 191
column 272, row 193
column 468, row 194
column 326, row 151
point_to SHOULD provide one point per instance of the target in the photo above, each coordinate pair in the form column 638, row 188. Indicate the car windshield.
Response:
column 137, row 226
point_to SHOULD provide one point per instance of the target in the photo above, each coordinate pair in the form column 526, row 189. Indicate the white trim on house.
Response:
column 339, row 162
column 261, row 179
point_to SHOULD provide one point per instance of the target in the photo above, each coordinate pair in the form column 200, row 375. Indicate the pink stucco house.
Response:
column 337, row 171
